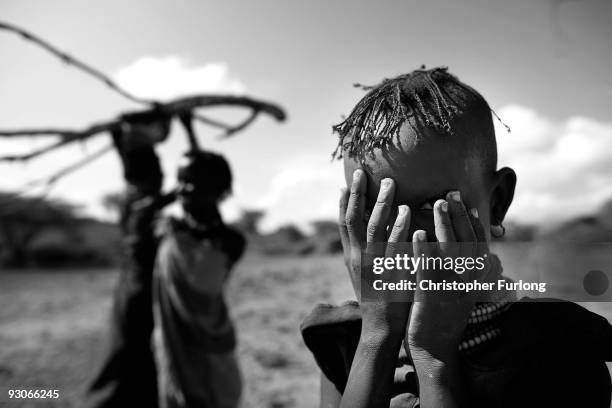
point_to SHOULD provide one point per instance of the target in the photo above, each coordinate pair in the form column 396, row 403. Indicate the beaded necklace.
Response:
column 483, row 323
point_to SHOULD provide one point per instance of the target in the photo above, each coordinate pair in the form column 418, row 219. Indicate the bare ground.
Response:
column 53, row 328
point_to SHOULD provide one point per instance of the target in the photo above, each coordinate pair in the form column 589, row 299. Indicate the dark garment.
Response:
column 194, row 337
column 128, row 377
column 549, row 354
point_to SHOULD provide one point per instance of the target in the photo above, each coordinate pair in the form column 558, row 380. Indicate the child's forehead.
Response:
column 422, row 171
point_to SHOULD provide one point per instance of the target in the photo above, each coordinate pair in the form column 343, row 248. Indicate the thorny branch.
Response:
column 166, row 110
column 70, row 60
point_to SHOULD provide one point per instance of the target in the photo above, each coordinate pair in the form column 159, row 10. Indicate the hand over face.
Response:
column 365, row 239
column 437, row 319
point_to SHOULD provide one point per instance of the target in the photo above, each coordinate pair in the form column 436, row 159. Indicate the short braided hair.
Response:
column 424, row 97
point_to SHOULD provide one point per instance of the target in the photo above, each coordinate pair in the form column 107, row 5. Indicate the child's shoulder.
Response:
column 526, row 323
column 547, row 348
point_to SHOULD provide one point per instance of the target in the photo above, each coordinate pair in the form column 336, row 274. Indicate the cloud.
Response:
column 149, row 77
column 173, row 76
column 564, row 168
column 305, row 189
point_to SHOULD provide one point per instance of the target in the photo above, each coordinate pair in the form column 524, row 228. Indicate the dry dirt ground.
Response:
column 53, row 326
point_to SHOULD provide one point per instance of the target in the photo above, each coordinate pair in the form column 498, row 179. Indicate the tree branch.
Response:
column 169, row 109
column 36, row 132
column 65, row 139
column 177, row 107
column 69, row 60
column 51, row 180
column 242, row 125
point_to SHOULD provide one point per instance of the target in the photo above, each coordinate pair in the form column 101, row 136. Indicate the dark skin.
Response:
column 399, row 185
column 197, row 203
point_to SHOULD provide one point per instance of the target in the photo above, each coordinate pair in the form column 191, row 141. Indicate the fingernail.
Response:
column 402, row 210
column 386, row 183
column 456, row 196
column 421, row 236
column 474, row 212
column 356, row 180
column 444, row 206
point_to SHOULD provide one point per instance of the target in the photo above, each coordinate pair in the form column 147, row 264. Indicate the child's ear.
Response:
column 502, row 193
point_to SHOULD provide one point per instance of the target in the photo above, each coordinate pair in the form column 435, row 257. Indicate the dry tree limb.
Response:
column 229, row 130
column 173, row 108
column 70, row 60
column 241, row 126
column 51, row 180
column 37, row 132
column 176, row 108
column 211, row 122
column 202, row 101
column 66, row 137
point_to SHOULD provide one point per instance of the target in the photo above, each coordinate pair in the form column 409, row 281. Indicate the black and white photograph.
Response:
column 305, row 204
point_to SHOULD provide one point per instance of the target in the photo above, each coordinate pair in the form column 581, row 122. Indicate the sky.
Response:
column 543, row 66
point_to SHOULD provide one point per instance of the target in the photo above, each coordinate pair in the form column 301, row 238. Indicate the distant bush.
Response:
column 60, row 254
column 289, row 240
column 45, row 233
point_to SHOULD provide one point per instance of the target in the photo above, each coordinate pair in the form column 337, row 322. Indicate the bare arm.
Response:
column 440, row 382
column 437, row 320
column 384, row 319
column 330, row 397
column 371, row 378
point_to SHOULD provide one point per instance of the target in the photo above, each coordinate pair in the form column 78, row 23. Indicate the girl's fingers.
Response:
column 420, row 247
column 479, row 230
column 377, row 225
column 482, row 246
column 397, row 245
column 344, row 238
column 354, row 222
column 460, row 219
column 443, row 224
column 399, row 231
column 391, row 221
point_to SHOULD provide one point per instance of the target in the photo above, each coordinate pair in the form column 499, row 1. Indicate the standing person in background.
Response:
column 194, row 336
column 173, row 280
column 128, row 376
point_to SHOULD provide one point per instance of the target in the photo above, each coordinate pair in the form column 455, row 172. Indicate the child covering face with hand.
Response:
column 420, row 161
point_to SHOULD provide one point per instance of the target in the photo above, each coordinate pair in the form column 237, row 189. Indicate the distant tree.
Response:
column 248, row 221
column 22, row 219
column 325, row 228
column 520, row 232
column 326, row 237
column 288, row 233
